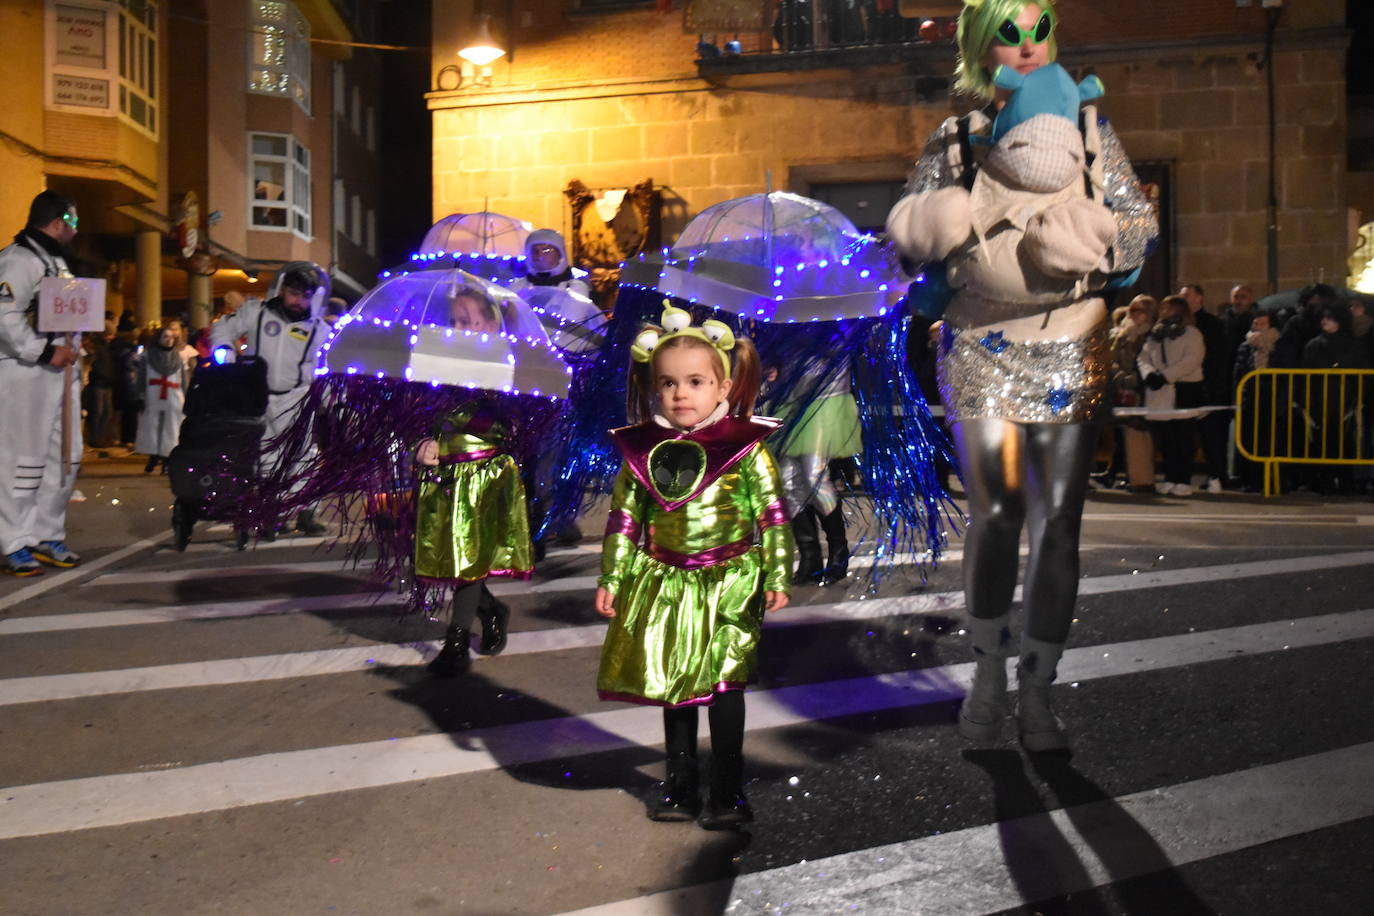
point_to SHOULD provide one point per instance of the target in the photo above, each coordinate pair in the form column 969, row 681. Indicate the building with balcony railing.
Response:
column 835, row 98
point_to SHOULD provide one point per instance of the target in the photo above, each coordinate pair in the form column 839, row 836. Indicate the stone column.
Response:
column 199, row 300
column 149, row 271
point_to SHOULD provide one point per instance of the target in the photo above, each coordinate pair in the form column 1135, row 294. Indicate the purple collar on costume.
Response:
column 724, row 443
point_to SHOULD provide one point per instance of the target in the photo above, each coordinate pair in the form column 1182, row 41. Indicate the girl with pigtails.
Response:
column 1032, row 207
column 697, row 548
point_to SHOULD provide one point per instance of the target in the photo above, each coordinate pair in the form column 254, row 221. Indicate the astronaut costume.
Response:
column 563, row 275
column 34, row 495
column 287, row 340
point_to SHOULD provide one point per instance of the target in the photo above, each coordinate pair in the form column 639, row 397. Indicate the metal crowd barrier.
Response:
column 1304, row 416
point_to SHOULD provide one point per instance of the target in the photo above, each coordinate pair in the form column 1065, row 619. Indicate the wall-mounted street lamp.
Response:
column 481, row 48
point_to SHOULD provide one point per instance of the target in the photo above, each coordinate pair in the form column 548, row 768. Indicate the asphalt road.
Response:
column 254, row 733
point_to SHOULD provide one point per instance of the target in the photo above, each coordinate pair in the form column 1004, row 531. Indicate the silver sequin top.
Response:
column 1137, row 223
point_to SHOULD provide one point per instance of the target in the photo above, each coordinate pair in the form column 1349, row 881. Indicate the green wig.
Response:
column 978, row 25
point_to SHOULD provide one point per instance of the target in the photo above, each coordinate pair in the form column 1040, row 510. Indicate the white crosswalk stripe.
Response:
column 860, row 609
column 79, row 804
column 964, row 871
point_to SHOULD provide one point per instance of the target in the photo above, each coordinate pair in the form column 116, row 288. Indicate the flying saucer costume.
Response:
column 470, row 520
column 397, row 371
column 1034, row 213
column 825, row 306
column 680, row 553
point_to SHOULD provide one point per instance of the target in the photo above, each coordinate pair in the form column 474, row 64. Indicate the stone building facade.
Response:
column 136, row 108
column 615, row 95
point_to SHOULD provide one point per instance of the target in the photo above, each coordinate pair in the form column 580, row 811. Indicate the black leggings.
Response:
column 726, row 716
column 466, row 599
column 1019, row 474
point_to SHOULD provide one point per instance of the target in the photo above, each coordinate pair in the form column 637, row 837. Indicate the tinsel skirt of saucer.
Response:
column 471, row 522
column 829, row 427
column 682, row 636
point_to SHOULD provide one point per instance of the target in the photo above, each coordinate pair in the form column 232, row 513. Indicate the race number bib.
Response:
column 70, row 304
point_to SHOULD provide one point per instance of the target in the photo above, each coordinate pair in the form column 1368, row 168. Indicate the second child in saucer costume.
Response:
column 697, row 547
column 470, row 519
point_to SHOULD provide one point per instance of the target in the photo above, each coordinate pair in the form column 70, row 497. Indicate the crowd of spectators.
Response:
column 1177, row 364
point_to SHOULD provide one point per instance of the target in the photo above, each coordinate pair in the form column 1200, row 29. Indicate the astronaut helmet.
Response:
column 306, row 278
column 538, row 257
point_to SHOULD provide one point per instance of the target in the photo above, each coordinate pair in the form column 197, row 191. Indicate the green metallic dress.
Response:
column 470, row 519
column 697, row 534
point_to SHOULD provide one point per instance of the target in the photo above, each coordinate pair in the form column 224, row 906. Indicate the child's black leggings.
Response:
column 726, row 717
column 466, row 599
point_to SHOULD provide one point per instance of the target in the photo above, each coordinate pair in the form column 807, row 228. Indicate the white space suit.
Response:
column 33, row 494
column 288, row 346
column 561, row 297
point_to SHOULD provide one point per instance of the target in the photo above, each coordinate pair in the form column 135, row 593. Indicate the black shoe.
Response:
column 183, row 520
column 495, row 618
column 836, row 568
column 306, row 524
column 807, row 535
column 680, row 799
column 809, row 567
column 727, row 807
column 836, row 547
column 453, row 659
column 151, row 465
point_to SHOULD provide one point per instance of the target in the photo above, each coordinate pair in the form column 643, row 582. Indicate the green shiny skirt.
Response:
column 471, row 522
column 681, row 636
column 829, row 427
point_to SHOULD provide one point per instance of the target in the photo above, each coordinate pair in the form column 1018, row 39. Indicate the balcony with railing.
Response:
column 811, row 34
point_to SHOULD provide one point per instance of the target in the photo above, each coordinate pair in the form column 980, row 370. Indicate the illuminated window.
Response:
column 138, row 63
column 279, row 184
column 279, row 50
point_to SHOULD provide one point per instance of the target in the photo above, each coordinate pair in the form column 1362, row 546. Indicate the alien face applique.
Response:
column 676, row 468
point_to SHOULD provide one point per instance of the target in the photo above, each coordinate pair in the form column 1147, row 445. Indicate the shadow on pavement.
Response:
column 1041, row 859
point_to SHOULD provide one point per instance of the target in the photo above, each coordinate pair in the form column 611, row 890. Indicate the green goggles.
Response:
column 1009, row 33
column 69, row 218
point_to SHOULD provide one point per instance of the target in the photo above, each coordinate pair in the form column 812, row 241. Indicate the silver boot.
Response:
column 985, row 706
column 1040, row 728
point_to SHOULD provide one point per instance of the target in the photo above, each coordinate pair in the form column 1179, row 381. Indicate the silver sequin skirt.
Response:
column 983, row 375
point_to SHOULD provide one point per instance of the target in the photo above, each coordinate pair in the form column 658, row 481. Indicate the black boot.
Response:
column 151, row 465
column 836, row 547
column 727, row 807
column 495, row 618
column 681, row 796
column 807, row 536
column 453, row 659
column 306, row 524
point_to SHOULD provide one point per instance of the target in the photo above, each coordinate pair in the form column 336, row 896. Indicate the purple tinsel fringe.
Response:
column 365, row 431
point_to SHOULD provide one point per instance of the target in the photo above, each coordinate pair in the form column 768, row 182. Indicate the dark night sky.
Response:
column 1359, row 71
column 405, row 129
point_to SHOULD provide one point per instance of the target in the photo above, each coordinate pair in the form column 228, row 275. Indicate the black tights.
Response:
column 1024, row 474
column 726, row 716
column 466, row 599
